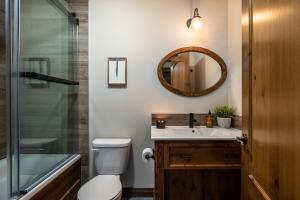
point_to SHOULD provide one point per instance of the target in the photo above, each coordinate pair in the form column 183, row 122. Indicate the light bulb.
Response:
column 196, row 23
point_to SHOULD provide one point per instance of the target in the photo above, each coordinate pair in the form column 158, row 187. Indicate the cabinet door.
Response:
column 202, row 184
column 202, row 155
column 197, row 170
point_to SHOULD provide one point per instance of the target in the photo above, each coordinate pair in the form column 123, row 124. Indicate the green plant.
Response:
column 224, row 111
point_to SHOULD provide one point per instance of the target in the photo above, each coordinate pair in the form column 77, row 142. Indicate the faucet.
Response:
column 192, row 120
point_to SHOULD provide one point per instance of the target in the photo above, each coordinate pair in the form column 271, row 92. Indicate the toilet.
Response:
column 110, row 160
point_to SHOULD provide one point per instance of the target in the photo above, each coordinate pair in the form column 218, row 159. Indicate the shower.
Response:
column 38, row 92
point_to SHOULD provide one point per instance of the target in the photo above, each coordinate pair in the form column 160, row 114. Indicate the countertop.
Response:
column 196, row 133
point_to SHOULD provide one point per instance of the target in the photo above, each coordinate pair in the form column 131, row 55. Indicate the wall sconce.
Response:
column 195, row 22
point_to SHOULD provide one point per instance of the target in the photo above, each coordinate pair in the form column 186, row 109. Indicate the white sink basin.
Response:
column 196, row 133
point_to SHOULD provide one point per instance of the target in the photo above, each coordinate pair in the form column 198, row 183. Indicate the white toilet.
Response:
column 111, row 159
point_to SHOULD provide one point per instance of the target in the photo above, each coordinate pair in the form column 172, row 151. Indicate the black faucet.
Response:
column 192, row 120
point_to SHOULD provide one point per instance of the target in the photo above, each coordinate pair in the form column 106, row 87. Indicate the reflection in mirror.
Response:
column 191, row 71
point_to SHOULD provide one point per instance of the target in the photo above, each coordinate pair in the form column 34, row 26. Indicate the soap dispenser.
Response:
column 209, row 120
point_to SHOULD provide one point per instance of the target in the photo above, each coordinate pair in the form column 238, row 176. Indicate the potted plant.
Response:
column 224, row 115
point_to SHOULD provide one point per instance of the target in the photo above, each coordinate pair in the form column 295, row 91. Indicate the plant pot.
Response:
column 224, row 122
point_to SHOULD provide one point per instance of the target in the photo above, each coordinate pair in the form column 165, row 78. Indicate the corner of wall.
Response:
column 235, row 55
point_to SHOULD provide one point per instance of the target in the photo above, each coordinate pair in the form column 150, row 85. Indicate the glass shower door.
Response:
column 47, row 94
column 3, row 104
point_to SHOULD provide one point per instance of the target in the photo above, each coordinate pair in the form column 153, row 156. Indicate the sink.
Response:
column 196, row 133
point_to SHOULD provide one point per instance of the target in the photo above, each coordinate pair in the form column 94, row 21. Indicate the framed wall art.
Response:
column 117, row 72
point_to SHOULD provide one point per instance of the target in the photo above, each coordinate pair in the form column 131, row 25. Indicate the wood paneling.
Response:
column 159, row 191
column 276, row 95
column 237, row 122
column 180, row 119
column 81, row 9
column 197, row 170
column 63, row 187
column 274, row 128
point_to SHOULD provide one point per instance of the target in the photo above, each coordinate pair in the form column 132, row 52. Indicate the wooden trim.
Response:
column 159, row 172
column 166, row 159
column 192, row 49
column 246, row 93
column 137, row 192
column 247, row 70
column 259, row 188
column 71, row 189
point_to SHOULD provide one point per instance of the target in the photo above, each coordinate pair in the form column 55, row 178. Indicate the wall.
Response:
column 144, row 32
column 235, row 54
column 2, row 81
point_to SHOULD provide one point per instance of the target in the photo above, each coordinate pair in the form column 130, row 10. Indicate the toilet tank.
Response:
column 111, row 155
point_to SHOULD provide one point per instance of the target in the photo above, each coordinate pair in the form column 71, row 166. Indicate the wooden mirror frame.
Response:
column 211, row 54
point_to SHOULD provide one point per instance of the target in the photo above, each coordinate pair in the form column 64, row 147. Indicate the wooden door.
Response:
column 271, row 99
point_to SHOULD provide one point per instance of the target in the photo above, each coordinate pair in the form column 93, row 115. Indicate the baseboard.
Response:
column 137, row 192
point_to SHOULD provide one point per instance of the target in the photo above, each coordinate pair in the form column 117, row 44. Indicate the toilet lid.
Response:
column 102, row 187
column 111, row 142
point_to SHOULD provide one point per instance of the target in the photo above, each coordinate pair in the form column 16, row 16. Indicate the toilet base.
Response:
column 101, row 187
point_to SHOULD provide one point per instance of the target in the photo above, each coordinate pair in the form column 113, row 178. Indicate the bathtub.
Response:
column 36, row 171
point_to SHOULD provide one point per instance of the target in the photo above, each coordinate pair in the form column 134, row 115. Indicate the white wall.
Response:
column 235, row 55
column 144, row 32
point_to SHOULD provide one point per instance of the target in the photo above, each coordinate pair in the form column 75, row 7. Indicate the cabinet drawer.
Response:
column 202, row 155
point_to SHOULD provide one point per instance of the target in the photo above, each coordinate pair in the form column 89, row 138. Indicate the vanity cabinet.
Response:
column 197, row 170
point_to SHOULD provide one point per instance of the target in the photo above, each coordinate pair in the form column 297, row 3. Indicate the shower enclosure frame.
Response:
column 12, row 37
column 8, row 61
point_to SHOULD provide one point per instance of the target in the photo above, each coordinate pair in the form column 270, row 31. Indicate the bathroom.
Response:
column 93, row 108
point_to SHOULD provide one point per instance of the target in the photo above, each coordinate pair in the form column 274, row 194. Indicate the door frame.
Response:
column 247, row 30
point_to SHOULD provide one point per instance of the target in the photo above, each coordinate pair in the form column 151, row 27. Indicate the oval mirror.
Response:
column 192, row 71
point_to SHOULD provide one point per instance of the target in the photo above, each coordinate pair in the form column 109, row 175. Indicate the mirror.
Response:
column 192, row 71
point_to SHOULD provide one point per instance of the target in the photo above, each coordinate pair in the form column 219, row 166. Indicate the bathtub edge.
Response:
column 48, row 180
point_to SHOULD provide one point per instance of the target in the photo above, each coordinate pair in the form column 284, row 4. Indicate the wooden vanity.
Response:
column 197, row 169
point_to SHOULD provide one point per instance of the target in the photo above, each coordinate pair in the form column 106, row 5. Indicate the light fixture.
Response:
column 195, row 22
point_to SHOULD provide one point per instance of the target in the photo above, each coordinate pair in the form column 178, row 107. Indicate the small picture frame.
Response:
column 117, row 72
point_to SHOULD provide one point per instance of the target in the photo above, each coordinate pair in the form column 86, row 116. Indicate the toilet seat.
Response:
column 101, row 187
